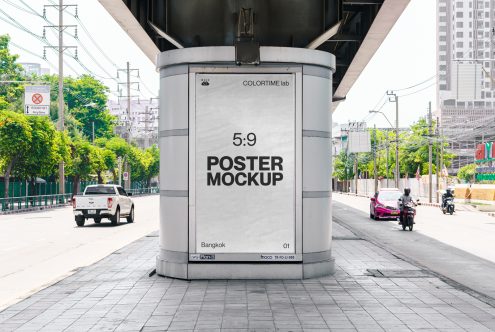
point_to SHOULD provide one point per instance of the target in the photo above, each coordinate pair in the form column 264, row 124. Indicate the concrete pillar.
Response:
column 270, row 230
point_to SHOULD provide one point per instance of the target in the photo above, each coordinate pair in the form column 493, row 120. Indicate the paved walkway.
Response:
column 117, row 294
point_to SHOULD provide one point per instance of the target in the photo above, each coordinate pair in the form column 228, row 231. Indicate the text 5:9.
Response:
column 239, row 140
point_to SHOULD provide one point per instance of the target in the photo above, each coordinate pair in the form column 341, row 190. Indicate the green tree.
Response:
column 15, row 142
column 102, row 160
column 343, row 166
column 82, row 165
column 414, row 149
column 138, row 163
column 10, row 70
column 413, row 152
column 45, row 151
column 466, row 173
column 87, row 101
column 153, row 169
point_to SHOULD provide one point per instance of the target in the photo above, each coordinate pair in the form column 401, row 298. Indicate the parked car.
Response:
column 384, row 204
column 103, row 201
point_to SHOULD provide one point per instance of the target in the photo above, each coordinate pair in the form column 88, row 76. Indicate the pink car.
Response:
column 384, row 204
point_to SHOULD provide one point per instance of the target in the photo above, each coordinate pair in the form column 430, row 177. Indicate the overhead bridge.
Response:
column 352, row 30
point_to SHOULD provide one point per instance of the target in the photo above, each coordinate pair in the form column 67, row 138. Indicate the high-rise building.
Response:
column 466, row 72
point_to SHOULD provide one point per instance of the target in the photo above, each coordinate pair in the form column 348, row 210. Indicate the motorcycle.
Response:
column 408, row 212
column 448, row 206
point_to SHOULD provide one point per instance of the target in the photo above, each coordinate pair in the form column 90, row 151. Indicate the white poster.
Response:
column 245, row 163
column 37, row 100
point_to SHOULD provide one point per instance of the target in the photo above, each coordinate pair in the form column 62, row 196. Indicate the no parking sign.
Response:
column 37, row 100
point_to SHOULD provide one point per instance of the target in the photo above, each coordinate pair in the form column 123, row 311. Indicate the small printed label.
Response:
column 277, row 257
column 207, row 257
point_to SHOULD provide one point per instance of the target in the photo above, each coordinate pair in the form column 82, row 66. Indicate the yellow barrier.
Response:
column 484, row 192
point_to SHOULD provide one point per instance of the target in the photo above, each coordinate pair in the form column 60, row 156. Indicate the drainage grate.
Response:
column 384, row 273
column 346, row 238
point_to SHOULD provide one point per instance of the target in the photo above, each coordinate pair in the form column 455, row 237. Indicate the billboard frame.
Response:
column 267, row 257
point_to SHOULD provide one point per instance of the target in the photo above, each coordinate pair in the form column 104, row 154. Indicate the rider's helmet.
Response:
column 407, row 191
column 449, row 191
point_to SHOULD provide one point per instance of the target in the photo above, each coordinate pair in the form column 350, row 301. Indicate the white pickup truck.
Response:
column 103, row 201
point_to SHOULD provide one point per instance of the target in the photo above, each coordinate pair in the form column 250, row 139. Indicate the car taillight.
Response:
column 73, row 202
column 109, row 202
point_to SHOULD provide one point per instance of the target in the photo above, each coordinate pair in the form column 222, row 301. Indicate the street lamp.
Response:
column 380, row 112
column 394, row 98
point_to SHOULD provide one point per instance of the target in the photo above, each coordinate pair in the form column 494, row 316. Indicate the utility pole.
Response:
column 375, row 174
column 438, row 161
column 119, row 165
column 395, row 99
column 128, row 83
column 441, row 149
column 356, row 173
column 388, row 153
column 93, row 131
column 61, row 49
column 430, row 152
column 148, row 118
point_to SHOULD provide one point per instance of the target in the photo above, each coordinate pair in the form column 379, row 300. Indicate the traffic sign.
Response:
column 126, row 176
column 37, row 100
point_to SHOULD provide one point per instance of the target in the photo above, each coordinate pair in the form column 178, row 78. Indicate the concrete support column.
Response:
column 311, row 73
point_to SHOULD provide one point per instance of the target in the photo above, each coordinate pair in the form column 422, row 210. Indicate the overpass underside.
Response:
column 352, row 30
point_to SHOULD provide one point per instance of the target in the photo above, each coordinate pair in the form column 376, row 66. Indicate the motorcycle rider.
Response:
column 405, row 199
column 448, row 194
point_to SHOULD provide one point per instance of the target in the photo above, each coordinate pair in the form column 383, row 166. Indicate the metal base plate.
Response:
column 195, row 271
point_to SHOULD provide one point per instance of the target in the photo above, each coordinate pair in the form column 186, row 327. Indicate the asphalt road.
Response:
column 473, row 232
column 459, row 247
column 38, row 249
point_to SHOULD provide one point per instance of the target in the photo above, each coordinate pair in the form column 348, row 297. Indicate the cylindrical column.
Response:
column 189, row 74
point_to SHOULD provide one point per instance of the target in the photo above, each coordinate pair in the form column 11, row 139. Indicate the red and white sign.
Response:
column 37, row 100
column 126, row 176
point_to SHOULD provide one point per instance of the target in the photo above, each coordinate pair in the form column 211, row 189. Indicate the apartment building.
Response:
column 466, row 71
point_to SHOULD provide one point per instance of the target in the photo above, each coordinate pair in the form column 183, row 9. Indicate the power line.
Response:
column 415, row 85
column 420, row 90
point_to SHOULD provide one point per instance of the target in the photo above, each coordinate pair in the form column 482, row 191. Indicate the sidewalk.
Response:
column 117, row 294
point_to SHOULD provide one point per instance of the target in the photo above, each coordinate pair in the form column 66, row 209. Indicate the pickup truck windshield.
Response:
column 99, row 191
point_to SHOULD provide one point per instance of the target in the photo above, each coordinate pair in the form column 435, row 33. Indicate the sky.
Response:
column 117, row 46
column 406, row 57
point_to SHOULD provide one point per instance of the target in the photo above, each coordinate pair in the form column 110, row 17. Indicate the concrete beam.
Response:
column 389, row 13
column 131, row 26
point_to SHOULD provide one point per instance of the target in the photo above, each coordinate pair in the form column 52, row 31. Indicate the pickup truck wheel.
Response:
column 80, row 221
column 116, row 218
column 130, row 217
column 97, row 220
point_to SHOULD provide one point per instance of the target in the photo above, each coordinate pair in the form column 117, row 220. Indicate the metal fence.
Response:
column 31, row 202
column 8, row 205
column 144, row 191
column 19, row 188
